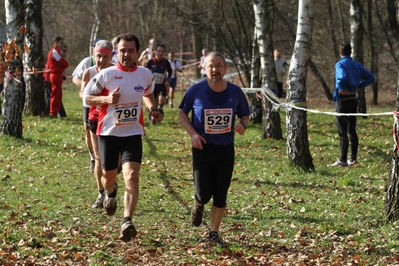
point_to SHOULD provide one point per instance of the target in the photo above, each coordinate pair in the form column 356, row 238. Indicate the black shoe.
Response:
column 214, row 238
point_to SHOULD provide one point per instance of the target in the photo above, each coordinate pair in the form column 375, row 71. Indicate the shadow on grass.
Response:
column 164, row 176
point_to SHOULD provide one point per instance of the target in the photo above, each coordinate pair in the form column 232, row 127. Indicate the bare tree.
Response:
column 33, row 58
column 312, row 66
column 95, row 26
column 256, row 103
column 297, row 133
column 392, row 187
column 372, row 50
column 263, row 11
column 331, row 27
column 357, row 32
column 14, row 86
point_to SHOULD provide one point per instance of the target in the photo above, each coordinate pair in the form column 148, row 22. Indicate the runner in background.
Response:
column 77, row 80
column 161, row 70
column 176, row 67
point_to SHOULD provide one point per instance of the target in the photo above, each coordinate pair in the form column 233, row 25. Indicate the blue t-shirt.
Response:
column 350, row 75
column 213, row 113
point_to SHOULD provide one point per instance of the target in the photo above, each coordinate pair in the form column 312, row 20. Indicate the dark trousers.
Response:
column 212, row 169
column 347, row 127
column 279, row 89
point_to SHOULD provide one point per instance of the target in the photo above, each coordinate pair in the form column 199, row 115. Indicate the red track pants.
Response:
column 56, row 93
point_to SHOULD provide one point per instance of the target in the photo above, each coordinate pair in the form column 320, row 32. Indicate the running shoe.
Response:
column 196, row 214
column 352, row 162
column 215, row 238
column 338, row 162
column 99, row 202
column 109, row 204
column 128, row 231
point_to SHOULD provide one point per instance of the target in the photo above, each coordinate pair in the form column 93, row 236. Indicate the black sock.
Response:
column 112, row 195
column 127, row 219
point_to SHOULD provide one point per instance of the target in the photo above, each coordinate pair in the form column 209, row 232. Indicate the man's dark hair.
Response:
column 345, row 49
column 57, row 38
column 161, row 45
column 129, row 37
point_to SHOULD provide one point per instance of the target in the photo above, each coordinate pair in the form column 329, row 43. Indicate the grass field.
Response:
column 276, row 215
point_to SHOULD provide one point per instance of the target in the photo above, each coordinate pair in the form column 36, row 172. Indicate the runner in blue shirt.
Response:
column 349, row 75
column 214, row 104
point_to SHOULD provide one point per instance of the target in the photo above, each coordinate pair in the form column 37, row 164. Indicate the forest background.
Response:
column 227, row 26
column 277, row 215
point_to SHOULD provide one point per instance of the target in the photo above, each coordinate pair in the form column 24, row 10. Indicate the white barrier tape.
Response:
column 191, row 80
column 38, row 71
column 288, row 106
column 230, row 75
column 9, row 76
column 192, row 64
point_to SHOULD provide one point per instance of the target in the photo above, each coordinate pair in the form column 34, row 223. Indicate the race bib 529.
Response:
column 218, row 121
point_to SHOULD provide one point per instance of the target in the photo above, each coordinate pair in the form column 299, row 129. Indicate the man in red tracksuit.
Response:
column 57, row 64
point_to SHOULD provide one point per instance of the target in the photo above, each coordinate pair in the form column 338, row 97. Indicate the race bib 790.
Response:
column 126, row 114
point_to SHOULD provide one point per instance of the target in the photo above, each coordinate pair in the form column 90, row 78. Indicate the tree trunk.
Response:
column 256, row 104
column 373, row 55
column 95, row 26
column 263, row 11
column 312, row 66
column 341, row 21
column 14, row 95
column 33, row 59
column 357, row 47
column 297, row 133
column 392, row 187
column 393, row 24
column 196, row 36
column 332, row 28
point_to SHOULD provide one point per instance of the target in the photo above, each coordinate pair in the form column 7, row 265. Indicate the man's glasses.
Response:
column 215, row 67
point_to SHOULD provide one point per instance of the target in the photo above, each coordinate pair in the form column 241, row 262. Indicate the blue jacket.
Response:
column 350, row 75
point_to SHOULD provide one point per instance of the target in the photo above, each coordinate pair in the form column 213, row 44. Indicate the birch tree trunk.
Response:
column 312, row 66
column 263, row 10
column 357, row 46
column 297, row 133
column 94, row 28
column 33, row 58
column 14, row 88
column 392, row 187
column 256, row 103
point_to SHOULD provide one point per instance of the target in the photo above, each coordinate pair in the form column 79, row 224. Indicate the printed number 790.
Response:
column 127, row 113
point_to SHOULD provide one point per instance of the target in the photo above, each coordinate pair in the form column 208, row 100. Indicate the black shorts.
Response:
column 159, row 90
column 212, row 169
column 92, row 125
column 86, row 114
column 130, row 148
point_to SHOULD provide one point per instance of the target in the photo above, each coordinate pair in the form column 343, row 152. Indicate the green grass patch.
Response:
column 276, row 215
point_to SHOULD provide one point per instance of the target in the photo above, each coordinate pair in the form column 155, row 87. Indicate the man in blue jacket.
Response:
column 349, row 76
